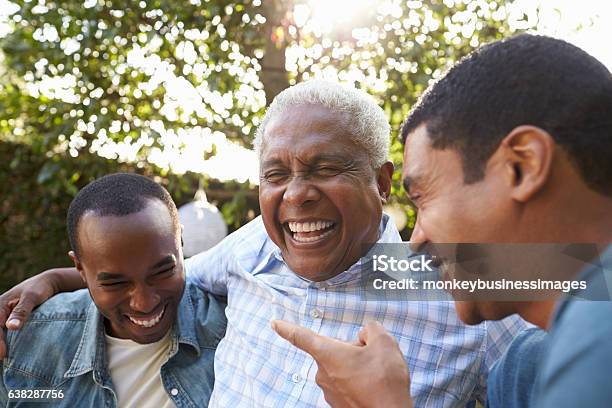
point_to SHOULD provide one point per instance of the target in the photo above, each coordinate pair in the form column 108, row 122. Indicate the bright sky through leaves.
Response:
column 586, row 23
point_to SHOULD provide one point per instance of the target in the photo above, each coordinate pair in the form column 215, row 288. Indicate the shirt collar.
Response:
column 185, row 331
column 91, row 352
column 91, row 347
column 599, row 268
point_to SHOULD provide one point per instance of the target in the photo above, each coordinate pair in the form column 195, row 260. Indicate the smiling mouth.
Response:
column 149, row 322
column 310, row 231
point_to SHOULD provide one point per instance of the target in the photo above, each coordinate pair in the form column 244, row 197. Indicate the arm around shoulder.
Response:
column 17, row 303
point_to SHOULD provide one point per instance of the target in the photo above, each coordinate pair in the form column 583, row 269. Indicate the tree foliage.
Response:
column 94, row 87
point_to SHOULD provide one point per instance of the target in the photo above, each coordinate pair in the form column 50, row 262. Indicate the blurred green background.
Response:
column 175, row 90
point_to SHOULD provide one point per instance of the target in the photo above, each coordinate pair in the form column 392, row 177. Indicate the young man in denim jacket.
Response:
column 140, row 335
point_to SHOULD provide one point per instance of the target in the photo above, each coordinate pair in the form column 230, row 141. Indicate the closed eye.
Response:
column 414, row 200
column 113, row 284
column 275, row 176
column 327, row 171
column 165, row 272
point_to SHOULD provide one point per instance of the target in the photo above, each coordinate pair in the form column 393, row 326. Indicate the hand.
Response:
column 370, row 373
column 17, row 304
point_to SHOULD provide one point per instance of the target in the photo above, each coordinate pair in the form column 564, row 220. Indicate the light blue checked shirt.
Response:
column 254, row 367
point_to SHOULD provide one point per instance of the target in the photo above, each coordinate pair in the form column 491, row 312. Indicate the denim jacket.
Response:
column 62, row 347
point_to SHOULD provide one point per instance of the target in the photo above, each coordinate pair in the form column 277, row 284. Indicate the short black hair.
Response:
column 523, row 80
column 117, row 194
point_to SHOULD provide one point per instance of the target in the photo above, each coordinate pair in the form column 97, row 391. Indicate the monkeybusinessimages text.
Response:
column 389, row 264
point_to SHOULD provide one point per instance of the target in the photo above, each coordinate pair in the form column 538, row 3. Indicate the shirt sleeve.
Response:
column 499, row 335
column 209, row 270
column 576, row 370
column 512, row 379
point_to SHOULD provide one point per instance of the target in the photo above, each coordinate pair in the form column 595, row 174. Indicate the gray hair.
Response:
column 367, row 125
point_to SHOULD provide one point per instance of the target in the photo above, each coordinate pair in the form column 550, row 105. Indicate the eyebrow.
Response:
column 326, row 157
column 102, row 276
column 166, row 260
column 321, row 157
column 271, row 162
column 408, row 182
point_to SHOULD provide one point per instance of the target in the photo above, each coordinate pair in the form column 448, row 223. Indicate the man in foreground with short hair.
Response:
column 512, row 145
column 140, row 336
column 325, row 176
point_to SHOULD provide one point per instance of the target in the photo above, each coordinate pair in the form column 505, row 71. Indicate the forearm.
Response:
column 17, row 303
column 63, row 279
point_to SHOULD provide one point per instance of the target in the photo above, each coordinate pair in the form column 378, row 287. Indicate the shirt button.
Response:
column 296, row 378
column 174, row 392
column 315, row 313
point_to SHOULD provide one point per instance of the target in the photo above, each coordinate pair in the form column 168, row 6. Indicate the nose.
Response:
column 418, row 239
column 300, row 191
column 144, row 299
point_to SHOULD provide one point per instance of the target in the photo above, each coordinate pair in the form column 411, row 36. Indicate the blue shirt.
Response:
column 254, row 367
column 576, row 371
column 512, row 380
column 62, row 347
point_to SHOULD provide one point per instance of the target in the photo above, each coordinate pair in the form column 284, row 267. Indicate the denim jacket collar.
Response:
column 91, row 353
column 91, row 347
column 184, row 327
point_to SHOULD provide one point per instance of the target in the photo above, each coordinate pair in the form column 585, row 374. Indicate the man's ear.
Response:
column 383, row 180
column 78, row 265
column 530, row 151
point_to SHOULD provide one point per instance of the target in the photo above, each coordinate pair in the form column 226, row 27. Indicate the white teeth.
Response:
column 148, row 323
column 309, row 226
column 310, row 239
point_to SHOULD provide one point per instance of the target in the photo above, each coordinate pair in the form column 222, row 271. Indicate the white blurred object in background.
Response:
column 397, row 214
column 203, row 225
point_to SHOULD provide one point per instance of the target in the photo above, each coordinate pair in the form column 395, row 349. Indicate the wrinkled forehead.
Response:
column 308, row 130
column 316, row 116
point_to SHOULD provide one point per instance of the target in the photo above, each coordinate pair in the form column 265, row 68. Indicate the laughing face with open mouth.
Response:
column 320, row 198
column 133, row 268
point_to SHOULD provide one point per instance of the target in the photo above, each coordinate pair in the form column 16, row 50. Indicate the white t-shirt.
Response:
column 135, row 371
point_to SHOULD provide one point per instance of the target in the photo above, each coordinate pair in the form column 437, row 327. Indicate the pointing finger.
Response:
column 300, row 337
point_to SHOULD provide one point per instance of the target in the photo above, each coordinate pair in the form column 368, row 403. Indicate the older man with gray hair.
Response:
column 325, row 176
